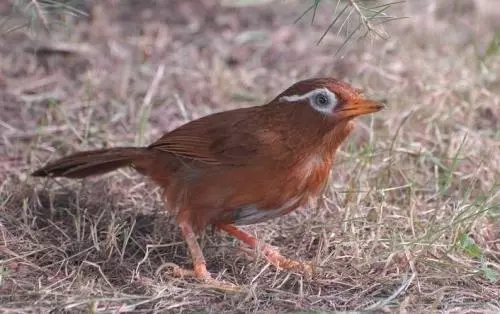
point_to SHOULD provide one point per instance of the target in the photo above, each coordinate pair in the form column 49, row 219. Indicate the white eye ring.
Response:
column 321, row 99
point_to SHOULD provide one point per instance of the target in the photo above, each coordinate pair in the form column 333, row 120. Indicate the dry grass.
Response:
column 411, row 221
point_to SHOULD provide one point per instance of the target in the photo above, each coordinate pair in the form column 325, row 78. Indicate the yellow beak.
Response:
column 360, row 107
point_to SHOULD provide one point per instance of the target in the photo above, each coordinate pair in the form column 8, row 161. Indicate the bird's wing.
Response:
column 236, row 137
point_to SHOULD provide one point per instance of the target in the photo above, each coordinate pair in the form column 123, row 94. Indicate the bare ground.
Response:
column 410, row 223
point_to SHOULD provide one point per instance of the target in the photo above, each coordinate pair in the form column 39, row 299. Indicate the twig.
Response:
column 41, row 14
column 154, row 85
column 364, row 20
column 332, row 23
column 182, row 107
column 100, row 272
column 398, row 291
column 146, row 102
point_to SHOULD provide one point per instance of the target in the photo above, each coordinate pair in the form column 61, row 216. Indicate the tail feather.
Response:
column 89, row 163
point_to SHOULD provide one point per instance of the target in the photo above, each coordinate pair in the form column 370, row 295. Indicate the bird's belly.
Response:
column 247, row 196
column 299, row 187
column 252, row 214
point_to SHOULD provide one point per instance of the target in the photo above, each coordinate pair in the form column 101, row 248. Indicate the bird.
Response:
column 242, row 166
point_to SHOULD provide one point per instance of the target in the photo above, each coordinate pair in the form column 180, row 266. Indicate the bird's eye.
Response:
column 321, row 100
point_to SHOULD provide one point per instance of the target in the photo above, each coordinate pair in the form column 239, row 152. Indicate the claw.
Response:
column 272, row 255
column 201, row 274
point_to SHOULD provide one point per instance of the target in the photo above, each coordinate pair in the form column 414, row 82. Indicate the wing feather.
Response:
column 233, row 137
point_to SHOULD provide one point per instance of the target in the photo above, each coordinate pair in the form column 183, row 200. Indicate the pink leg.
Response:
column 273, row 256
column 199, row 270
column 199, row 264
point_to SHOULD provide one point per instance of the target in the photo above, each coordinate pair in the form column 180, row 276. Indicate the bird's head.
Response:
column 330, row 97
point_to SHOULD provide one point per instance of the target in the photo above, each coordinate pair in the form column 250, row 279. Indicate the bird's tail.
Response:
column 89, row 163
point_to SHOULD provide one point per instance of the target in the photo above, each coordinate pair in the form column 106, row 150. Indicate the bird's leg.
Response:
column 199, row 270
column 273, row 256
column 199, row 265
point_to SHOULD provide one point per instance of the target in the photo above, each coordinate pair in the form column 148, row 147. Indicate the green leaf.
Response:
column 469, row 246
column 489, row 274
column 494, row 47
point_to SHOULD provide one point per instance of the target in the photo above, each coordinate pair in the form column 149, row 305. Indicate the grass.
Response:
column 410, row 220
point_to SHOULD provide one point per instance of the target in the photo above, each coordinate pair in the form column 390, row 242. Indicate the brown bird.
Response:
column 242, row 166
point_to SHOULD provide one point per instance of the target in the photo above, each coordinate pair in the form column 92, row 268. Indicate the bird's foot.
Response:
column 281, row 262
column 200, row 273
column 273, row 256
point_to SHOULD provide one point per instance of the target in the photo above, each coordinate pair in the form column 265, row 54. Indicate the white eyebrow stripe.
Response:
column 326, row 110
column 294, row 98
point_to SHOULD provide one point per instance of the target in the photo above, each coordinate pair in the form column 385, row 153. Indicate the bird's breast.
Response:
column 309, row 177
column 313, row 171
